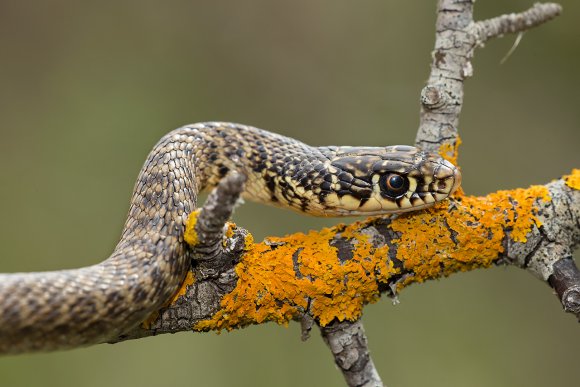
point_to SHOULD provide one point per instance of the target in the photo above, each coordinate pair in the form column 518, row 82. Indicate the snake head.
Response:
column 393, row 179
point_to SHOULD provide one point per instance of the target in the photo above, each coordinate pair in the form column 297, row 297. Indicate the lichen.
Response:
column 230, row 227
column 450, row 152
column 190, row 234
column 439, row 241
column 284, row 276
column 573, row 180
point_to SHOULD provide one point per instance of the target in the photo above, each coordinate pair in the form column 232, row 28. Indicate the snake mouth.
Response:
column 454, row 173
column 448, row 177
column 456, row 181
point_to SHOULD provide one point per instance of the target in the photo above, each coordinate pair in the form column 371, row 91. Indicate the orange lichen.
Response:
column 230, row 230
column 283, row 276
column 438, row 242
column 249, row 242
column 231, row 226
column 190, row 234
column 573, row 180
column 450, row 152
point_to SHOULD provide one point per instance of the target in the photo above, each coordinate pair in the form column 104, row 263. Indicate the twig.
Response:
column 348, row 343
column 515, row 22
column 212, row 217
column 566, row 283
column 457, row 36
column 442, row 97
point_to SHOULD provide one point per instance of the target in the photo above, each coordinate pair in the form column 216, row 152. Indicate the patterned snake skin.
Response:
column 71, row 308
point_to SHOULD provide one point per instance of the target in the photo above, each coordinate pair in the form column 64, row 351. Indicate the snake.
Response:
column 53, row 310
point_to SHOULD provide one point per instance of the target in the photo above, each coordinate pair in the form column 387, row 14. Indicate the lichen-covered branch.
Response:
column 215, row 250
column 331, row 274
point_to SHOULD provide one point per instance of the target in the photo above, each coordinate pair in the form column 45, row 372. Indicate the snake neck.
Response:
column 280, row 171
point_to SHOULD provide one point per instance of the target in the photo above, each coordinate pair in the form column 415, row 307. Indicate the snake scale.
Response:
column 70, row 308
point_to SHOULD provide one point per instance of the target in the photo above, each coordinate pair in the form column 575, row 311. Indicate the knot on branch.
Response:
column 433, row 97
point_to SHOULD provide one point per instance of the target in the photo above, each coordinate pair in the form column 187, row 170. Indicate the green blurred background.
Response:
column 88, row 87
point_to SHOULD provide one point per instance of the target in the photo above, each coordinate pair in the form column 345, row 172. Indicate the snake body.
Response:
column 71, row 308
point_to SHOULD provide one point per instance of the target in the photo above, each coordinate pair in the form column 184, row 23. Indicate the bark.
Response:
column 348, row 343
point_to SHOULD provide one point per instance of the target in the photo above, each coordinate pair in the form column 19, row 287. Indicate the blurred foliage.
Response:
column 88, row 87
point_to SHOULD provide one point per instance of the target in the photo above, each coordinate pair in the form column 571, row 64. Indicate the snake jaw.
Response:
column 456, row 179
column 448, row 180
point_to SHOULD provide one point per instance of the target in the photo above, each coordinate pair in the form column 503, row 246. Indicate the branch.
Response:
column 209, row 231
column 457, row 36
column 215, row 251
column 330, row 275
column 348, row 343
column 456, row 39
column 566, row 283
column 515, row 22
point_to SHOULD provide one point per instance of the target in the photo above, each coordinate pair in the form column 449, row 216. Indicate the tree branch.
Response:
column 209, row 229
column 330, row 275
column 565, row 281
column 348, row 343
column 457, row 36
column 515, row 22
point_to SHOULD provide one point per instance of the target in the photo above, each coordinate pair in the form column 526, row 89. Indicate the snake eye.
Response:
column 393, row 185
